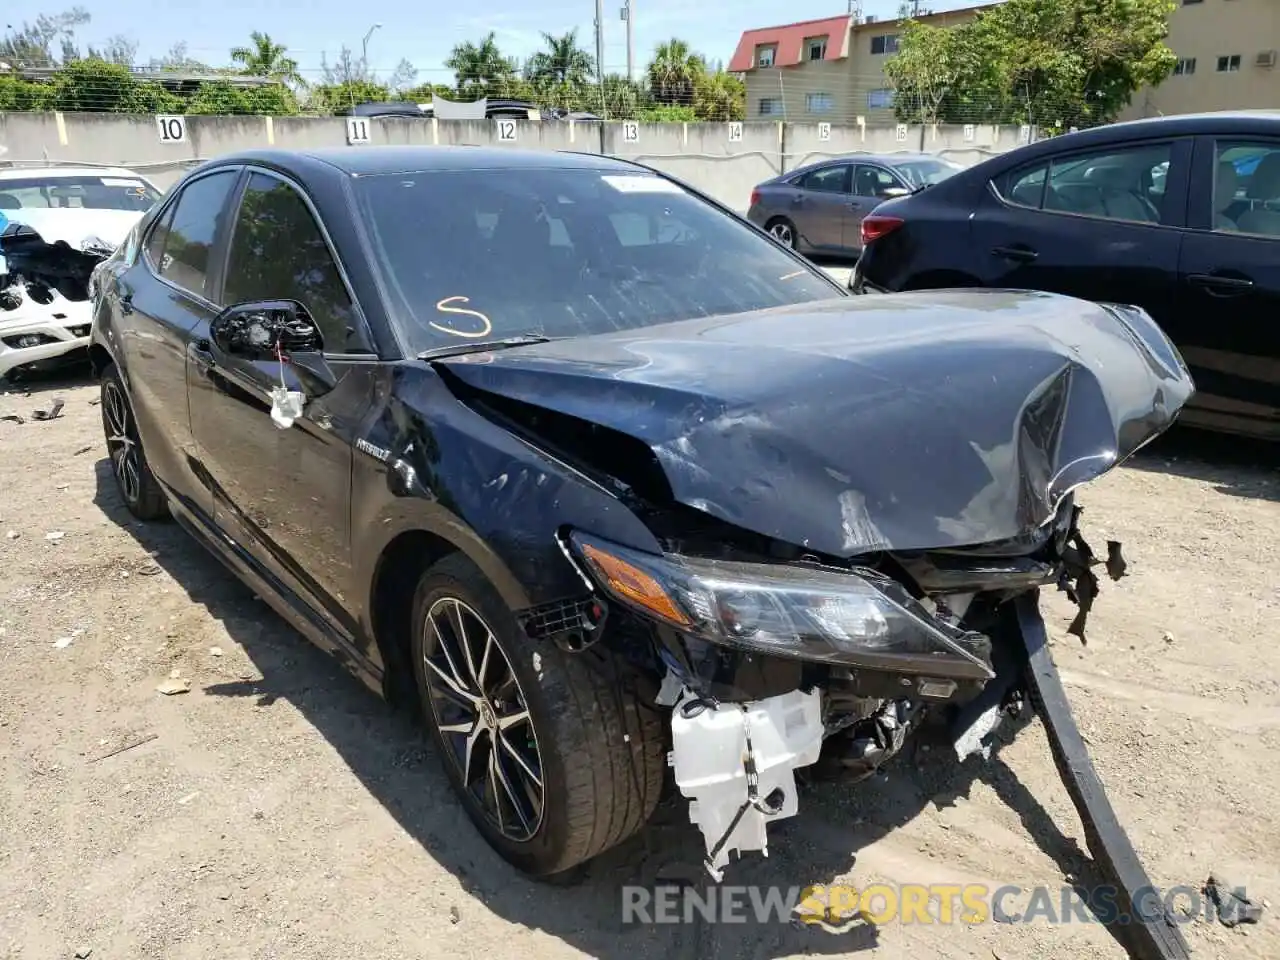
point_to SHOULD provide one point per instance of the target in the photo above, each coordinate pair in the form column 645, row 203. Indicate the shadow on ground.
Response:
column 388, row 752
column 1236, row 466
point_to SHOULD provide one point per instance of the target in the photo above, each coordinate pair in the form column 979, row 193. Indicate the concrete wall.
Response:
column 700, row 153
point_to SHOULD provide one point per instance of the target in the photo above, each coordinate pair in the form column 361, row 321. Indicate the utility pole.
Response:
column 628, row 14
column 600, row 43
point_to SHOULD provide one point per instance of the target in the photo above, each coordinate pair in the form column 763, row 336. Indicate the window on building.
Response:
column 1185, row 66
column 816, row 48
column 1187, row 3
column 765, row 55
column 818, row 103
column 885, row 43
column 1229, row 64
column 881, row 99
column 769, row 106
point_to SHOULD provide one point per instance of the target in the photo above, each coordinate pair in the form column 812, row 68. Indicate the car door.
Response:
column 821, row 206
column 1227, row 318
column 1102, row 224
column 872, row 185
column 154, row 305
column 282, row 495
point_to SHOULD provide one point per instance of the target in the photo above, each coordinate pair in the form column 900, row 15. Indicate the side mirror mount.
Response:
column 265, row 329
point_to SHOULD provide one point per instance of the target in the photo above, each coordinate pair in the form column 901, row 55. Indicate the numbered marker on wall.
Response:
column 735, row 132
column 968, row 133
column 902, row 133
column 172, row 129
column 506, row 131
column 630, row 131
column 358, row 130
column 824, row 131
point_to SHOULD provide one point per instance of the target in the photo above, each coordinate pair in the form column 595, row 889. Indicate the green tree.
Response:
column 1049, row 63
column 266, row 58
column 562, row 62
column 221, row 98
column 332, row 98
column 92, row 85
column 481, row 69
column 719, row 96
column 624, row 99
column 33, row 44
column 931, row 63
column 674, row 73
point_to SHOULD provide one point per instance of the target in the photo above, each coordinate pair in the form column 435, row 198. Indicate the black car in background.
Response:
column 1178, row 215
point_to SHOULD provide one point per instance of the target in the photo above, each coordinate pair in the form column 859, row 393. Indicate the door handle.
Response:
column 1217, row 286
column 1017, row 254
column 126, row 304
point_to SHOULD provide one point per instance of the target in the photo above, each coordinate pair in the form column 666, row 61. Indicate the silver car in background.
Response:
column 818, row 208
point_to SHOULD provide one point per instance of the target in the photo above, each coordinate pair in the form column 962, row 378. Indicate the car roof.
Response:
column 1182, row 125
column 367, row 161
column 888, row 159
column 57, row 172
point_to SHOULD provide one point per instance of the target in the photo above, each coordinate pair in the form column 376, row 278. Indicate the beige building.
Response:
column 833, row 69
column 1228, row 59
column 830, row 69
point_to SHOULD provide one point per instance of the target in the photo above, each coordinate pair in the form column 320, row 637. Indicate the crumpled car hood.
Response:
column 913, row 421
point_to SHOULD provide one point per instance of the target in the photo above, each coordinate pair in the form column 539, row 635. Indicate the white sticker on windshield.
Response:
column 641, row 184
column 122, row 182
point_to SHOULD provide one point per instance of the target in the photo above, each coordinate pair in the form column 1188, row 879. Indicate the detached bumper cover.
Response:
column 38, row 332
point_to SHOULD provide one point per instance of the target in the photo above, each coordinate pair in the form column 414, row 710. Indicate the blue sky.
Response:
column 423, row 31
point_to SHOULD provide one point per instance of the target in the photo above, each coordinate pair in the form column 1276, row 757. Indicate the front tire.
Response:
column 137, row 485
column 553, row 762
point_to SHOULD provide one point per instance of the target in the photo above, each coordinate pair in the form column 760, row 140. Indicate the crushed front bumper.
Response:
column 40, row 333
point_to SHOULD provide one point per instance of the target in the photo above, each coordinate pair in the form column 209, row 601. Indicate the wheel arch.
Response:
column 414, row 547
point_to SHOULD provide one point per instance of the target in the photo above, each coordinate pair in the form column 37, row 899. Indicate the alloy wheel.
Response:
column 782, row 232
column 122, row 444
column 483, row 717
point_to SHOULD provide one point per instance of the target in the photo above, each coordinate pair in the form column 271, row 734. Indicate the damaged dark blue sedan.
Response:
column 606, row 479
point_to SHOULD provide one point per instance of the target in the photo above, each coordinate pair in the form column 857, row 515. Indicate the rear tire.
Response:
column 137, row 485
column 553, row 761
column 782, row 230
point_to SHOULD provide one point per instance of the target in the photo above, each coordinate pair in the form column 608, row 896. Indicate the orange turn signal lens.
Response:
column 634, row 584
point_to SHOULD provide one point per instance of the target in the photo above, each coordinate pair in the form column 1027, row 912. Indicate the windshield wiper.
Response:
column 479, row 346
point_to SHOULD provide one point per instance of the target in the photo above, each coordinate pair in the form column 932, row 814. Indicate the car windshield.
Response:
column 77, row 193
column 925, row 173
column 564, row 252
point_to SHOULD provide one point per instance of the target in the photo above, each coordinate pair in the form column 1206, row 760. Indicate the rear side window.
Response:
column 1246, row 187
column 1117, row 184
column 279, row 253
column 192, row 229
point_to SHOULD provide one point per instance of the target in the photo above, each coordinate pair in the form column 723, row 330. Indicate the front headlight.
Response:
column 857, row 618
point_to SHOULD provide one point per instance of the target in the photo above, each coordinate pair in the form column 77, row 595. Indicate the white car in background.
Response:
column 38, row 326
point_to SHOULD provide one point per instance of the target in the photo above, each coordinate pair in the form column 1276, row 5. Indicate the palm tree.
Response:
column 674, row 72
column 478, row 67
column 563, row 62
column 266, row 58
column 720, row 96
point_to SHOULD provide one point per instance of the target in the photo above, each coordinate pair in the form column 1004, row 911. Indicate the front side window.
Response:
column 925, row 173
column 828, row 180
column 1118, row 184
column 469, row 254
column 192, row 229
column 1246, row 187
column 872, row 181
column 278, row 253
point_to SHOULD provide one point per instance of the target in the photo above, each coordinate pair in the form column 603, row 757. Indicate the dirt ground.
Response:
column 280, row 810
